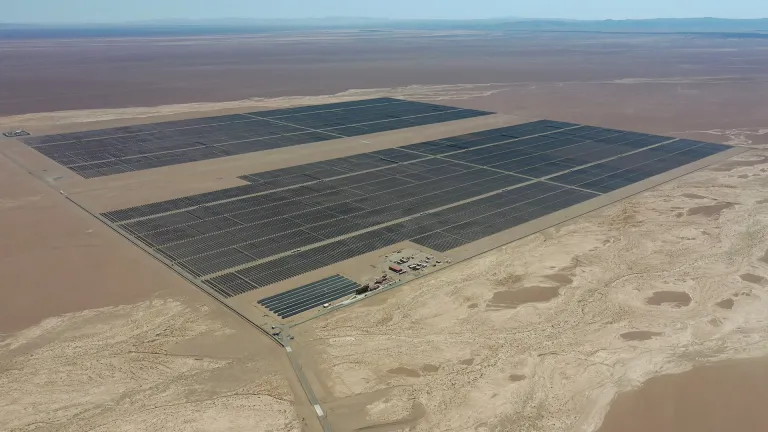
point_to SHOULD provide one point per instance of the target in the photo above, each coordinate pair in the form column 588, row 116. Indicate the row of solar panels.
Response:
column 134, row 148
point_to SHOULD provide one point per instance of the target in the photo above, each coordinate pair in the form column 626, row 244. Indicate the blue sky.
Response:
column 131, row 10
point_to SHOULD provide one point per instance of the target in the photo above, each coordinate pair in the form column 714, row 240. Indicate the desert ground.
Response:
column 652, row 306
column 543, row 333
column 96, row 335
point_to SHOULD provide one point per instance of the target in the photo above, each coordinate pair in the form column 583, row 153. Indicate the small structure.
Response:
column 16, row 133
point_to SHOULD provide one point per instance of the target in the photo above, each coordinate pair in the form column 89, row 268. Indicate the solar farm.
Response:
column 289, row 242
column 133, row 148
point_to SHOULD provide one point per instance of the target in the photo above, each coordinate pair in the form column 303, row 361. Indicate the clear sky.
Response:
column 133, row 10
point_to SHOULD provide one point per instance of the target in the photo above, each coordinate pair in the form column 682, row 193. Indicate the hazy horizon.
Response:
column 366, row 18
column 113, row 12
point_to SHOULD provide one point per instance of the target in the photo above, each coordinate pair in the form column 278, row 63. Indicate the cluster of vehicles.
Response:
column 415, row 266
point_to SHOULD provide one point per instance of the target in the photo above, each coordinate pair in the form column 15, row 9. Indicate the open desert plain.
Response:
column 643, row 308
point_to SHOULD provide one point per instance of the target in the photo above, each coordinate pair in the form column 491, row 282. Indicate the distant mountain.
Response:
column 233, row 26
column 647, row 25
column 297, row 22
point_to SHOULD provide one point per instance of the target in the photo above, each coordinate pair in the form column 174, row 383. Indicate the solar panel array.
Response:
column 440, row 194
column 133, row 148
column 310, row 296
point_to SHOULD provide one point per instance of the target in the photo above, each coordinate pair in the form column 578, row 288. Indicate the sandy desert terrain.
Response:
column 542, row 335
column 96, row 335
column 155, row 365
column 60, row 75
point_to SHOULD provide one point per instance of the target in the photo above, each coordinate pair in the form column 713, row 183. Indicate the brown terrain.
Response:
column 648, row 314
column 96, row 335
column 584, row 311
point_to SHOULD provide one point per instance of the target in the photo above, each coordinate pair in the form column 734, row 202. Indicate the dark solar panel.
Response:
column 310, row 296
column 622, row 171
column 294, row 220
column 133, row 148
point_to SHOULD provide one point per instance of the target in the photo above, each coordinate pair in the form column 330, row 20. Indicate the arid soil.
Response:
column 153, row 365
column 57, row 259
column 540, row 335
column 728, row 396
column 56, row 75
column 96, row 335
column 544, row 333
